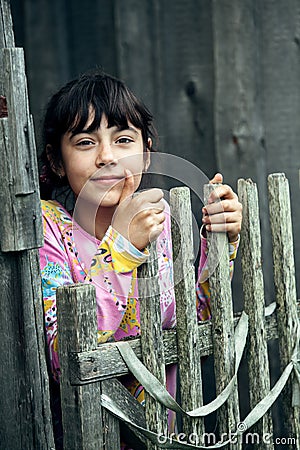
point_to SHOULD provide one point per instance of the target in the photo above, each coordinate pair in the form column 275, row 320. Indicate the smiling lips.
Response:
column 107, row 179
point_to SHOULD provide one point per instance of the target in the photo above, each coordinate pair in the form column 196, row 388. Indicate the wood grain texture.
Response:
column 24, row 401
column 134, row 410
column 189, row 360
column 21, row 218
column 25, row 415
column 254, row 299
column 279, row 25
column 152, row 342
column 106, row 361
column 222, row 325
column 7, row 38
column 77, row 331
column 285, row 286
column 240, row 142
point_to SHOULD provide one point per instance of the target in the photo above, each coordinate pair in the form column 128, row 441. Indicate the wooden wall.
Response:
column 221, row 76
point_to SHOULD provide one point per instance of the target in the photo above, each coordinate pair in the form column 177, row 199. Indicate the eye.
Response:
column 124, row 140
column 85, row 142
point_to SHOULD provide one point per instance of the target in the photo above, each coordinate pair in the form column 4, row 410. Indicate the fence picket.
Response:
column 285, row 287
column 189, row 361
column 222, row 327
column 254, row 306
column 152, row 342
column 25, row 420
column 7, row 38
column 20, row 216
column 77, row 324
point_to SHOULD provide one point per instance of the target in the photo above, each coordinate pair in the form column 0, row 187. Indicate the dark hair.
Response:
column 68, row 110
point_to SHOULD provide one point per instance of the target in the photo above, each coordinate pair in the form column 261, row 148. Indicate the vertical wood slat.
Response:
column 25, row 417
column 111, row 431
column 127, row 403
column 254, row 305
column 77, row 332
column 222, row 325
column 189, row 360
column 7, row 38
column 20, row 217
column 152, row 342
column 280, row 32
column 285, row 286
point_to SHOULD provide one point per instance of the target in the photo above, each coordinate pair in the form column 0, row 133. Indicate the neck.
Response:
column 94, row 221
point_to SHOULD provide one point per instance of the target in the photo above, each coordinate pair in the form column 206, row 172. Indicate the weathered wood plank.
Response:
column 25, row 408
column 134, row 410
column 187, row 80
column 7, row 38
column 21, row 218
column 279, row 25
column 25, row 418
column 238, row 123
column 222, row 325
column 253, row 288
column 133, row 19
column 152, row 342
column 285, row 286
column 77, row 325
column 106, row 361
column 124, row 400
column 189, row 360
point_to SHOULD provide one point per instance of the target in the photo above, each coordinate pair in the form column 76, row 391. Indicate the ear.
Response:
column 58, row 169
column 147, row 155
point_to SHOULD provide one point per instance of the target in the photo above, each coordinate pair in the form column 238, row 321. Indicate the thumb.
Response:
column 218, row 178
column 128, row 188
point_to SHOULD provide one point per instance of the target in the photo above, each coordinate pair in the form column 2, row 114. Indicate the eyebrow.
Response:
column 119, row 128
column 124, row 128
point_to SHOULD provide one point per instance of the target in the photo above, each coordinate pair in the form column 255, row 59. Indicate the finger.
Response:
column 160, row 217
column 219, row 207
column 154, row 195
column 225, row 217
column 222, row 227
column 128, row 188
column 221, row 192
column 156, row 232
column 230, row 228
column 218, row 178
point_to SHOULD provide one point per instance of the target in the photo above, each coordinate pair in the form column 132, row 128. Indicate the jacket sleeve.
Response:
column 112, row 271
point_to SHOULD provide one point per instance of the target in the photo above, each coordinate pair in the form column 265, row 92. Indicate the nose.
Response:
column 105, row 155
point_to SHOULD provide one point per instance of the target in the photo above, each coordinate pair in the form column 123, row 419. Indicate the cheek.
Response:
column 135, row 164
column 76, row 177
column 137, row 181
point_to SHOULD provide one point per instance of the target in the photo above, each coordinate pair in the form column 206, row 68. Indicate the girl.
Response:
column 98, row 141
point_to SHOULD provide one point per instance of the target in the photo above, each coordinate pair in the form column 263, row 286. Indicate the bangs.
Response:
column 108, row 97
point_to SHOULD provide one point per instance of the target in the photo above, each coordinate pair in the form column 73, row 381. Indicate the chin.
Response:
column 99, row 197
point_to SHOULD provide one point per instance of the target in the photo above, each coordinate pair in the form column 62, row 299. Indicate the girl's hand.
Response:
column 223, row 211
column 140, row 218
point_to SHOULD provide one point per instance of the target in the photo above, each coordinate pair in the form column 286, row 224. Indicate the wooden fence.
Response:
column 25, row 421
column 90, row 372
column 93, row 400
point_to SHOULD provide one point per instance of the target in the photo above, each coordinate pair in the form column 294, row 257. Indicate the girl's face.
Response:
column 97, row 160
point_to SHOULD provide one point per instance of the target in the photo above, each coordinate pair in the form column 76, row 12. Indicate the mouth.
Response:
column 107, row 179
